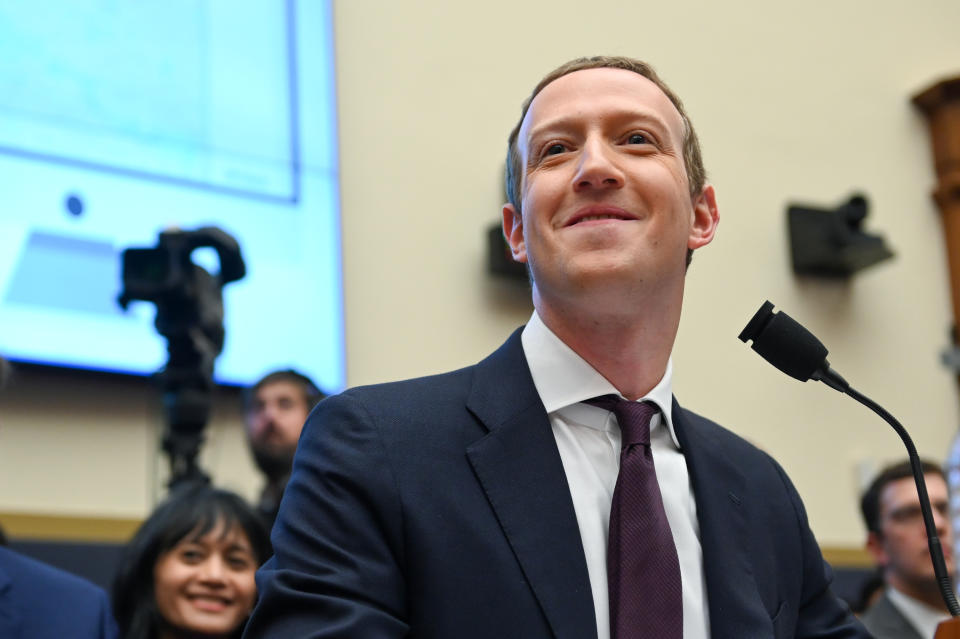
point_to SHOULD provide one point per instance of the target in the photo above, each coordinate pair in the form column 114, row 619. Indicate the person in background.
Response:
column 911, row 606
column 38, row 601
column 871, row 588
column 189, row 569
column 276, row 408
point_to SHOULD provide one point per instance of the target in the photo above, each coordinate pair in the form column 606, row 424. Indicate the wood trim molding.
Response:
column 848, row 556
column 940, row 103
column 38, row 527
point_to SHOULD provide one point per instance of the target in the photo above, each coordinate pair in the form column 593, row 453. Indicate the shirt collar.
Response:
column 563, row 378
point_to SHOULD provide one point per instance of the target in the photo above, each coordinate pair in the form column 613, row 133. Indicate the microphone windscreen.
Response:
column 783, row 342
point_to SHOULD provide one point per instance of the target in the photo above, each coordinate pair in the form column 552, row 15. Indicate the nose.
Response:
column 212, row 570
column 597, row 168
column 266, row 415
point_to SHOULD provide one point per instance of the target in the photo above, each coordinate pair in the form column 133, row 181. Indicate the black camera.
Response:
column 186, row 295
column 189, row 303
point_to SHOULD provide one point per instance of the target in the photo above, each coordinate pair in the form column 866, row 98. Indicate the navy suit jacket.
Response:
column 38, row 601
column 439, row 508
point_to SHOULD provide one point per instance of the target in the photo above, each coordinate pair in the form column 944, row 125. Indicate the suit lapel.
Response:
column 719, row 490
column 519, row 467
column 886, row 619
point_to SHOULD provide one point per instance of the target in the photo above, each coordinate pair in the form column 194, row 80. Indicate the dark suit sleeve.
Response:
column 337, row 568
column 38, row 601
column 821, row 614
column 108, row 626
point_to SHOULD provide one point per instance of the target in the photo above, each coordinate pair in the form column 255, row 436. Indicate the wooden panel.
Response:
column 63, row 528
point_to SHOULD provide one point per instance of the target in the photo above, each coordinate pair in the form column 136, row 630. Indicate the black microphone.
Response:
column 783, row 342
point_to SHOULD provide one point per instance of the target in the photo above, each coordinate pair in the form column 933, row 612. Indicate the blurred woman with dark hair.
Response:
column 189, row 569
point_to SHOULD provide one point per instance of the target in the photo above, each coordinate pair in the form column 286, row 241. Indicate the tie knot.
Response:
column 633, row 417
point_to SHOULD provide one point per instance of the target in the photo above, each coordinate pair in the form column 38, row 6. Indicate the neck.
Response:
column 926, row 591
column 630, row 349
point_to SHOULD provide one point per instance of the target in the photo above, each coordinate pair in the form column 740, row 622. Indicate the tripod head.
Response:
column 189, row 303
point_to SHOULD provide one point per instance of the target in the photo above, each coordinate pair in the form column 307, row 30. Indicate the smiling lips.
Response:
column 209, row 603
column 599, row 213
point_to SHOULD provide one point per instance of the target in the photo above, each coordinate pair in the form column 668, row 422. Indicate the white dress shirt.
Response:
column 589, row 441
column 922, row 617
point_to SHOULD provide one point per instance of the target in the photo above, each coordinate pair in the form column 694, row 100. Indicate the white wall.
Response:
column 803, row 103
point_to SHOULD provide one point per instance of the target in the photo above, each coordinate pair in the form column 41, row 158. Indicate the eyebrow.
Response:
column 568, row 121
column 240, row 548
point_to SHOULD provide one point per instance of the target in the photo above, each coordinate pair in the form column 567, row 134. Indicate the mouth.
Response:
column 599, row 215
column 210, row 603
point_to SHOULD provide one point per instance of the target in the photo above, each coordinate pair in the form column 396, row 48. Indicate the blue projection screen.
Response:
column 121, row 119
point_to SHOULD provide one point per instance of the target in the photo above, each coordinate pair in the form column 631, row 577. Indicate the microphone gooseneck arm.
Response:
column 933, row 540
column 793, row 349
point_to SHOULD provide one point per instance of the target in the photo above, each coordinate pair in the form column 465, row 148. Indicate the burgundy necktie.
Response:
column 643, row 572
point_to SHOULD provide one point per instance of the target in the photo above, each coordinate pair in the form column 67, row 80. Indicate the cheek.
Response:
column 165, row 589
column 543, row 190
column 246, row 588
column 292, row 423
column 256, row 425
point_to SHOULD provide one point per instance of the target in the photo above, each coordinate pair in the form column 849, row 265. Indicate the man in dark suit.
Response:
column 476, row 504
column 40, row 602
column 911, row 606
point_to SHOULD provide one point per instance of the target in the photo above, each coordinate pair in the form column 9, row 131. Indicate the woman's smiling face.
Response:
column 205, row 584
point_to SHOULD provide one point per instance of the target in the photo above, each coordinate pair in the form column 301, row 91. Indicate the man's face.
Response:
column 901, row 547
column 605, row 199
column 274, row 422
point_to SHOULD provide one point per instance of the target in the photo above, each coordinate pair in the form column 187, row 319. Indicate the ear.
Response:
column 513, row 231
column 705, row 218
column 876, row 549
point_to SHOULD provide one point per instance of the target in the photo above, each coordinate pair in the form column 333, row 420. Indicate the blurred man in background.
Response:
column 911, row 606
column 276, row 409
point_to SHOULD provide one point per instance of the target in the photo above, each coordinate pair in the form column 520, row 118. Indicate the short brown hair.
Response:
column 692, row 159
column 870, row 502
column 311, row 392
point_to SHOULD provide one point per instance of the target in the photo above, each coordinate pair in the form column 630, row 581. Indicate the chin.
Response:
column 214, row 629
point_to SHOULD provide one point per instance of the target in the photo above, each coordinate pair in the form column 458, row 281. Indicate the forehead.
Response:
column 219, row 536
column 595, row 95
column 279, row 389
column 903, row 492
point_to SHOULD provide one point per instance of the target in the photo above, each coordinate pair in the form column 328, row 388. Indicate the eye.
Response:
column 637, row 138
column 239, row 561
column 554, row 149
column 191, row 555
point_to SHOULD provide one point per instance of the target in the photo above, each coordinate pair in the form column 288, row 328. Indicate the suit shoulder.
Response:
column 719, row 434
column 53, row 602
column 505, row 368
column 433, row 393
column 746, row 455
column 26, row 571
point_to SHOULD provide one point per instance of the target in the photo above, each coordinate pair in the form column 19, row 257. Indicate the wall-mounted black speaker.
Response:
column 830, row 242
column 499, row 258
